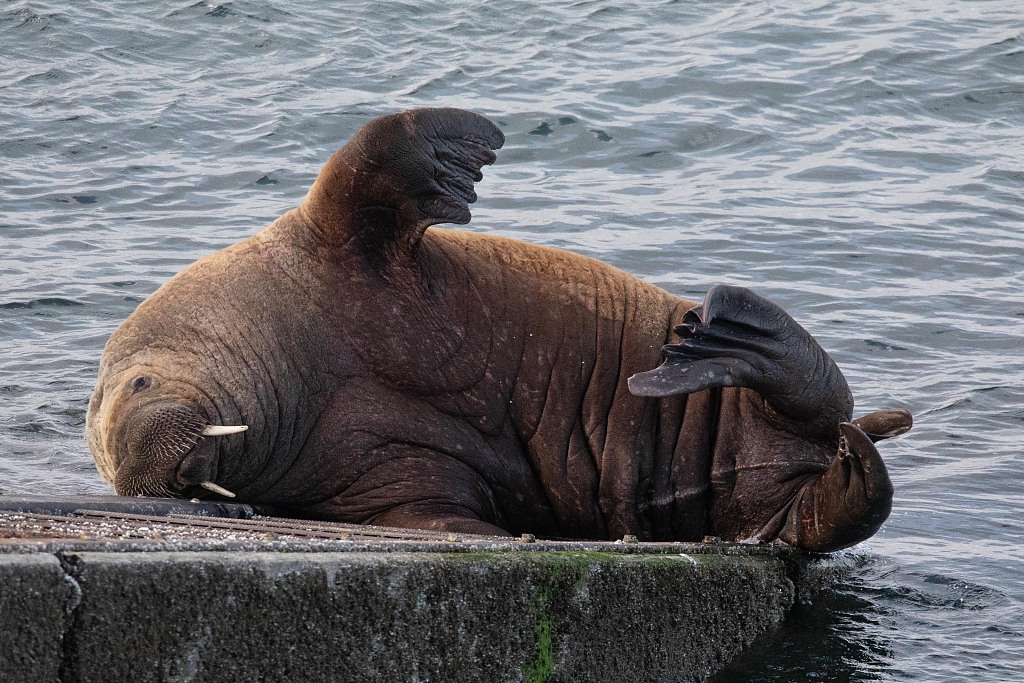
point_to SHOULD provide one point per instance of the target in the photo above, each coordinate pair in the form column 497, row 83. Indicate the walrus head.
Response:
column 156, row 420
column 154, row 437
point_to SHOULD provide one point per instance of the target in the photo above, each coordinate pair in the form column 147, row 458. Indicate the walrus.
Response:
column 348, row 363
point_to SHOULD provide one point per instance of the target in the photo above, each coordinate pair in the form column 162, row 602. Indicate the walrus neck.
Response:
column 352, row 249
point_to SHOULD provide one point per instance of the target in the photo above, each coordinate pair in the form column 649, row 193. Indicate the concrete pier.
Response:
column 102, row 595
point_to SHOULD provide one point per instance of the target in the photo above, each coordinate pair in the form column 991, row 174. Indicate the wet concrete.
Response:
column 110, row 595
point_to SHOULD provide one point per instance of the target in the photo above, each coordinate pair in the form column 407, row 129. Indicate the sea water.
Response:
column 860, row 163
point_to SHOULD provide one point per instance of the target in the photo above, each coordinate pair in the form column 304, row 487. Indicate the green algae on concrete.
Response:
column 658, row 616
column 564, row 568
column 540, row 668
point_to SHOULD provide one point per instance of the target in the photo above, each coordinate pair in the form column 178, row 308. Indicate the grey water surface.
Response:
column 861, row 163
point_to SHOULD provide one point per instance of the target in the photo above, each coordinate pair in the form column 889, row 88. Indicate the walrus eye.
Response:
column 139, row 383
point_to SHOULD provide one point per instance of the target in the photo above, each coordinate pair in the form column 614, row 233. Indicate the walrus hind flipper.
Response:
column 402, row 173
column 847, row 503
column 883, row 424
column 739, row 339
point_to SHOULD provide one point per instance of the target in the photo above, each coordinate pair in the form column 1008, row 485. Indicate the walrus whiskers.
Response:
column 210, row 486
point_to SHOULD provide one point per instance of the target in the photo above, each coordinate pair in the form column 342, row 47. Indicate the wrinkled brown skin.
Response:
column 435, row 379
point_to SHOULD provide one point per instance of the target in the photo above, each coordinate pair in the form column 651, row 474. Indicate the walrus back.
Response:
column 580, row 329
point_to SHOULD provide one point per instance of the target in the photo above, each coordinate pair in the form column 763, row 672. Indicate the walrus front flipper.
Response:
column 400, row 174
column 847, row 503
column 739, row 339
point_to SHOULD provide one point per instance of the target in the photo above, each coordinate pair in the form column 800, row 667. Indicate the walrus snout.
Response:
column 165, row 453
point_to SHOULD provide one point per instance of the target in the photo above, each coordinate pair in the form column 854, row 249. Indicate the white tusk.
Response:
column 210, row 486
column 221, row 430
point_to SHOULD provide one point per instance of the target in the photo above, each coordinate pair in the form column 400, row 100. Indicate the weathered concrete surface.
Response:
column 530, row 616
column 36, row 599
column 138, row 590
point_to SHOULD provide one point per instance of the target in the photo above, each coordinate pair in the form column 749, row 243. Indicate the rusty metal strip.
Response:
column 282, row 526
column 216, row 523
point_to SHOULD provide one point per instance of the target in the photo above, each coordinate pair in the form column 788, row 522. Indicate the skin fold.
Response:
column 430, row 378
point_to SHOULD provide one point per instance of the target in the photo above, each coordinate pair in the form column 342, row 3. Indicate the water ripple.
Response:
column 860, row 163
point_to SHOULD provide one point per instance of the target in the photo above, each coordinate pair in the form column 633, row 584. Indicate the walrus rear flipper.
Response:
column 884, row 424
column 847, row 503
column 738, row 339
column 401, row 174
